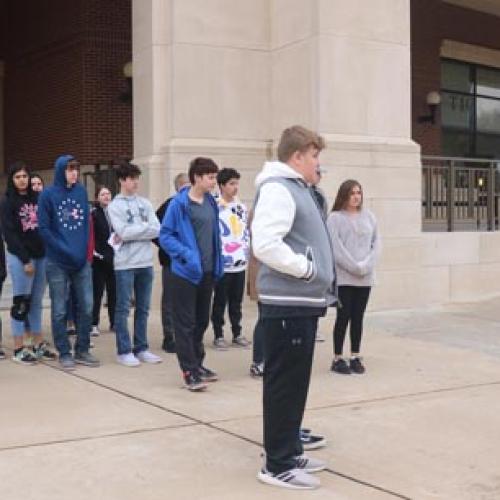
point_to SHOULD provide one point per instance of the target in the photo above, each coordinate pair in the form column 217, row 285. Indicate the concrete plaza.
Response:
column 422, row 423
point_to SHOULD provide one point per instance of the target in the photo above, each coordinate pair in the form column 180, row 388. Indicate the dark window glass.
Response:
column 470, row 110
column 488, row 82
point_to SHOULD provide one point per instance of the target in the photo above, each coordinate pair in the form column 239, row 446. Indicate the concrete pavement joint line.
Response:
column 368, row 485
column 407, row 395
column 210, row 426
column 93, row 438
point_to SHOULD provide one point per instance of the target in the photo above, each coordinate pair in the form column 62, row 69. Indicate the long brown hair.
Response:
column 344, row 193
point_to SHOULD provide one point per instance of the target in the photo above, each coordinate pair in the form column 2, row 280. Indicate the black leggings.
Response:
column 353, row 301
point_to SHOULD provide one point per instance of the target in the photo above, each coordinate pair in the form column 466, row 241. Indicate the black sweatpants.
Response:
column 354, row 300
column 167, row 294
column 103, row 275
column 191, row 313
column 288, row 353
column 229, row 290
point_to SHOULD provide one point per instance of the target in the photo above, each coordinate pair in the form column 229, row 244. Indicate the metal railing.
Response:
column 460, row 194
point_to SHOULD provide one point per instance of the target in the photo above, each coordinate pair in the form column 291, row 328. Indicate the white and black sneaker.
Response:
column 296, row 479
column 311, row 441
column 309, row 464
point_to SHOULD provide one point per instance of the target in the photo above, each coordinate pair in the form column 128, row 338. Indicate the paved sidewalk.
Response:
column 422, row 423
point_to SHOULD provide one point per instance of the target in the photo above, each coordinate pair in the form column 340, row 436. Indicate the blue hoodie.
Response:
column 63, row 219
column 178, row 240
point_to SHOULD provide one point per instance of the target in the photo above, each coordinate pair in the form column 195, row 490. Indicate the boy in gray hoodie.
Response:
column 290, row 239
column 134, row 225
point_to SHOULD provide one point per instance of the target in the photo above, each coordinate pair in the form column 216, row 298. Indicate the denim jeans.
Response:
column 59, row 280
column 139, row 281
column 34, row 286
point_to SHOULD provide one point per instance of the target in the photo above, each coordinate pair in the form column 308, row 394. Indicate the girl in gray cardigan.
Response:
column 353, row 230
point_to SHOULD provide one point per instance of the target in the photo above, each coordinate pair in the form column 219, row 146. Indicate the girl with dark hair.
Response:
column 103, row 274
column 353, row 230
column 37, row 183
column 26, row 265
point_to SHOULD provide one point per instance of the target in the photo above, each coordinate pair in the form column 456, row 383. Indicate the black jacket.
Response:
column 102, row 231
column 3, row 269
column 18, row 215
column 163, row 257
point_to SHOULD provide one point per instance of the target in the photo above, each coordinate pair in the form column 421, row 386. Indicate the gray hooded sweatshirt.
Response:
column 135, row 222
column 290, row 239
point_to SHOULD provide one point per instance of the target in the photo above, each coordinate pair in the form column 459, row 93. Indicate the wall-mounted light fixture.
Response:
column 433, row 100
column 126, row 95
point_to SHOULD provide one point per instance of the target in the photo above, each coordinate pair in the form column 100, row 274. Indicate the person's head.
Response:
column 37, row 184
column 103, row 196
column 181, row 180
column 349, row 196
column 300, row 148
column 19, row 178
column 72, row 171
column 228, row 180
column 128, row 177
column 203, row 173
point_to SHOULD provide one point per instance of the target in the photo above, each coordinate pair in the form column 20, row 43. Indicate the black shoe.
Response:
column 311, row 441
column 193, row 382
column 356, row 365
column 169, row 346
column 207, row 375
column 2, row 353
column 340, row 366
column 257, row 369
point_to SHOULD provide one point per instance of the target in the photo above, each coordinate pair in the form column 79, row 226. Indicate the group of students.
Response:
column 299, row 260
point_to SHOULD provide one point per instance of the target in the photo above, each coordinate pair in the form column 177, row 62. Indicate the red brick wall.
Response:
column 63, row 79
column 431, row 22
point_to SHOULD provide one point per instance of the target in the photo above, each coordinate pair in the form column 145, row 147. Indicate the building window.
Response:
column 470, row 110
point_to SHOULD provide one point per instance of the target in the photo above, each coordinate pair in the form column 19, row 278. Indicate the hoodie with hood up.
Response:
column 18, row 214
column 291, row 240
column 63, row 218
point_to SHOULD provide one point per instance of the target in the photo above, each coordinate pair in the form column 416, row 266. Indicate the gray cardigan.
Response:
column 356, row 246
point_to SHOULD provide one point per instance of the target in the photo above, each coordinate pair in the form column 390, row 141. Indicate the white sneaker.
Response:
column 296, row 479
column 309, row 464
column 95, row 331
column 128, row 359
column 148, row 357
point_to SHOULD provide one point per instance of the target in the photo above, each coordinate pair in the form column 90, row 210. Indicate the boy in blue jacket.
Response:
column 190, row 235
column 63, row 222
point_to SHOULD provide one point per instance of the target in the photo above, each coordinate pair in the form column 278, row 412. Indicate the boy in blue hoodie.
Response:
column 190, row 235
column 63, row 220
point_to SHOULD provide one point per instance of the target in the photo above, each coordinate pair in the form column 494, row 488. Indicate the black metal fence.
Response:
column 460, row 194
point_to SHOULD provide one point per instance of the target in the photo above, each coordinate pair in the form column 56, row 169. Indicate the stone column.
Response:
column 201, row 86
column 343, row 67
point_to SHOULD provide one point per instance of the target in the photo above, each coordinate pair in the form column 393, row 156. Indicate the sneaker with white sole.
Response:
column 309, row 464
column 95, row 331
column 24, row 356
column 148, row 357
column 311, row 441
column 128, row 359
column 296, row 479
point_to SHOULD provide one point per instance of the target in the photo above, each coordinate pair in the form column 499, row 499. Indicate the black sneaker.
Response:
column 24, row 356
column 340, row 366
column 356, row 366
column 257, row 369
column 311, row 441
column 168, row 346
column 42, row 351
column 2, row 353
column 193, row 382
column 207, row 375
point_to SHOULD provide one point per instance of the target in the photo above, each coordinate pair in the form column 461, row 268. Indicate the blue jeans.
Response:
column 59, row 279
column 34, row 286
column 140, row 281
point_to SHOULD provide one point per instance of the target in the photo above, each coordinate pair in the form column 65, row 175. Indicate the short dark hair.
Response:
column 126, row 169
column 201, row 166
column 226, row 174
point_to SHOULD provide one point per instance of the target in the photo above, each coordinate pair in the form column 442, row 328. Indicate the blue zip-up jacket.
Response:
column 178, row 240
column 63, row 219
